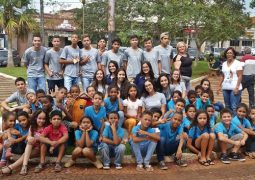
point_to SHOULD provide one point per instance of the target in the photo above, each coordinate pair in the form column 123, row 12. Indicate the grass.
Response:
column 14, row 71
column 197, row 71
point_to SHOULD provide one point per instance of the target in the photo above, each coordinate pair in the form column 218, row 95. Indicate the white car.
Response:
column 253, row 50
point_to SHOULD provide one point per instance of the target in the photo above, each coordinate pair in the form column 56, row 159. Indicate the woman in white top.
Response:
column 231, row 78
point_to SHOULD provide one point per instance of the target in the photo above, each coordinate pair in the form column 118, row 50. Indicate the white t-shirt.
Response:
column 230, row 75
column 132, row 107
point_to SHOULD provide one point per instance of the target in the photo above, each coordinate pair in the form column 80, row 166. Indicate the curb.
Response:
column 7, row 76
column 199, row 79
column 127, row 159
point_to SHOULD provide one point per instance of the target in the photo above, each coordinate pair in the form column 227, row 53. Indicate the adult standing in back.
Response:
column 248, row 74
column 34, row 62
column 53, row 69
column 165, row 53
column 183, row 62
column 230, row 82
column 70, row 57
column 89, row 62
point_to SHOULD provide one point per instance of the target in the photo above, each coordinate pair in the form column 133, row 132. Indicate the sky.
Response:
column 69, row 4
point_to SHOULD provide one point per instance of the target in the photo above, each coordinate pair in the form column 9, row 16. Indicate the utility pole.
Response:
column 111, row 22
column 42, row 21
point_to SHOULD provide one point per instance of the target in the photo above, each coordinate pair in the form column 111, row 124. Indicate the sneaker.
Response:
column 162, row 165
column 224, row 159
column 180, row 162
column 97, row 164
column 149, row 168
column 241, row 158
column 39, row 168
column 235, row 157
column 106, row 167
column 118, row 166
column 58, row 167
column 2, row 163
column 69, row 163
column 139, row 167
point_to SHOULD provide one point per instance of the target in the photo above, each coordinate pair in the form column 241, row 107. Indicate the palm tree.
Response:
column 15, row 19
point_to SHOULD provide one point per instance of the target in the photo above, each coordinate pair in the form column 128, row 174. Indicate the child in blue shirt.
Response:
column 178, row 107
column 211, row 112
column 229, row 136
column 144, row 142
column 97, row 112
column 191, row 97
column 203, row 100
column 114, row 103
column 111, row 145
column 22, row 127
column 175, row 95
column 190, row 111
column 86, row 143
column 250, row 143
column 201, row 138
column 171, row 142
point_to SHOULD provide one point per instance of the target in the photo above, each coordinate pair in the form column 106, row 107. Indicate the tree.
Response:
column 15, row 19
column 252, row 4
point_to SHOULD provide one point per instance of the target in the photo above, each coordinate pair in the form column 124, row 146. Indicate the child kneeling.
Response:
column 86, row 143
column 53, row 138
column 144, row 142
column 111, row 142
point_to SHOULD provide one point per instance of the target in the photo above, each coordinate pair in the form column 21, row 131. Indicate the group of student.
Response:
column 159, row 114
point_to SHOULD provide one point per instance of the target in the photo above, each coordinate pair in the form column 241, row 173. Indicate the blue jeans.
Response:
column 248, row 82
column 166, row 147
column 86, row 81
column 107, row 150
column 231, row 100
column 37, row 83
column 53, row 83
column 143, row 149
column 121, row 119
column 69, row 81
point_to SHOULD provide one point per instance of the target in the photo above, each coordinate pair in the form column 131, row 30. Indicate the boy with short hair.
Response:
column 133, row 57
column 97, row 112
column 179, row 107
column 34, row 103
column 53, row 138
column 111, row 142
column 203, row 100
column 229, row 136
column 171, row 141
column 144, row 142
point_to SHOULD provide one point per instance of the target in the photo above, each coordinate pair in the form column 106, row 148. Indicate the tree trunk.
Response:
column 111, row 21
column 42, row 21
column 10, row 56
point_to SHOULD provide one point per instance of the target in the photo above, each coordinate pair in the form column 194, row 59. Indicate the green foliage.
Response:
column 252, row 4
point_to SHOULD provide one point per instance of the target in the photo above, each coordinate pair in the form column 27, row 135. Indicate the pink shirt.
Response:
column 54, row 134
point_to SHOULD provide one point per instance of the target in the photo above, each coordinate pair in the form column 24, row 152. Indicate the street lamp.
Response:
column 83, row 21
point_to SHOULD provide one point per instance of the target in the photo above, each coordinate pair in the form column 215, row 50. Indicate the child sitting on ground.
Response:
column 203, row 100
column 86, row 143
column 34, row 103
column 211, row 112
column 53, row 138
column 250, row 143
column 229, row 137
column 175, row 95
column 111, row 145
column 144, row 142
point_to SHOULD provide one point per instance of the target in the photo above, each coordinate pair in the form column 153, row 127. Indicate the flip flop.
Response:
column 6, row 173
column 204, row 163
column 210, row 162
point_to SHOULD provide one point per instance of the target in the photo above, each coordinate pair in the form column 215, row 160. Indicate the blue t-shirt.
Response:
column 231, row 131
column 96, row 117
column 171, row 105
column 108, row 132
column 23, row 132
column 93, row 135
column 137, row 128
column 195, row 132
column 243, row 122
column 186, row 122
column 111, row 106
column 170, row 134
column 200, row 105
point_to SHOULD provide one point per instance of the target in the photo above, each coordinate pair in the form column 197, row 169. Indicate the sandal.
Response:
column 204, row 163
column 39, row 168
column 57, row 167
column 210, row 162
column 9, row 172
column 23, row 170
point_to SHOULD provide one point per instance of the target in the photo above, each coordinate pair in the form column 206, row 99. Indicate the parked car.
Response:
column 4, row 57
column 253, row 50
column 193, row 52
